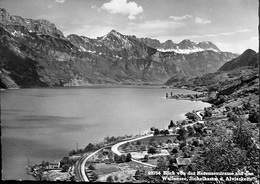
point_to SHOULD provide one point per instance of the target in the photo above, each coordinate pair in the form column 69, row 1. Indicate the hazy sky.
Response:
column 230, row 24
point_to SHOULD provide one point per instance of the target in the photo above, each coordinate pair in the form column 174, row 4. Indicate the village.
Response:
column 133, row 158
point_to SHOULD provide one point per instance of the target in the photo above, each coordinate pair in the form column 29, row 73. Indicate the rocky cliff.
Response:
column 35, row 53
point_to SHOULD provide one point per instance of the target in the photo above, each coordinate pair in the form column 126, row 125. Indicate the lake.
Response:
column 47, row 123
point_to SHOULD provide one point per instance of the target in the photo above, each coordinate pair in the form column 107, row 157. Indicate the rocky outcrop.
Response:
column 35, row 53
column 17, row 25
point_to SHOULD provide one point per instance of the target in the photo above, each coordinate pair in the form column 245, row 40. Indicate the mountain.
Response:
column 248, row 58
column 36, row 53
column 184, row 47
column 240, row 75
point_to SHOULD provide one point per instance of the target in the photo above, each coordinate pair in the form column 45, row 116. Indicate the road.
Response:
column 115, row 147
column 81, row 176
column 80, row 165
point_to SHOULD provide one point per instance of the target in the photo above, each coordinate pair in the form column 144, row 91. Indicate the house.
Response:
column 106, row 151
column 183, row 161
column 54, row 165
column 208, row 130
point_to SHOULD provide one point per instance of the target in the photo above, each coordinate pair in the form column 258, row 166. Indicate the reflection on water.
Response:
column 45, row 124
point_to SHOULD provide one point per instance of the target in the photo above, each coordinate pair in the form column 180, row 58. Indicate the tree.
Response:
column 65, row 168
column 173, row 164
column 89, row 147
column 65, row 160
column 168, row 141
column 184, row 122
column 190, row 130
column 117, row 158
column 182, row 145
column 166, row 132
column 186, row 154
column 195, row 142
column 162, row 164
column 198, row 128
column 254, row 116
column 128, row 157
column 221, row 155
column 171, row 124
column 110, row 179
column 162, row 132
column 175, row 150
column 208, row 113
column 123, row 158
column 152, row 150
column 116, row 178
column 242, row 136
column 146, row 158
column 152, row 128
column 111, row 156
column 120, row 159
column 191, row 116
column 156, row 132
column 138, row 142
column 73, row 152
column 182, row 134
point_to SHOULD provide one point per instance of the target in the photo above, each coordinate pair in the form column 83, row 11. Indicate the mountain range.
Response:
column 184, row 47
column 239, row 73
column 35, row 53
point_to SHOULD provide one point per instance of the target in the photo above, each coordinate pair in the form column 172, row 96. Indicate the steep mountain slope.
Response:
column 248, row 58
column 35, row 53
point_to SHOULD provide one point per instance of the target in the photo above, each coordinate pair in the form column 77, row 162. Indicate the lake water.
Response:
column 47, row 123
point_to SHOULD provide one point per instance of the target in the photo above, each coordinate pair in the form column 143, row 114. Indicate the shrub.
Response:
column 175, row 150
column 152, row 150
column 128, row 157
column 254, row 116
column 110, row 179
column 91, row 167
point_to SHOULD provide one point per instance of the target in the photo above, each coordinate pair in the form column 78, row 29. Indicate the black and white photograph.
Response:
column 130, row 91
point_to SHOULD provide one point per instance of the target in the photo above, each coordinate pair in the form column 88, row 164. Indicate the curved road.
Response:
column 80, row 165
column 115, row 147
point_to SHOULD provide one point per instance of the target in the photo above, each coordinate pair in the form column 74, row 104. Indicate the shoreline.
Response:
column 180, row 117
column 147, row 131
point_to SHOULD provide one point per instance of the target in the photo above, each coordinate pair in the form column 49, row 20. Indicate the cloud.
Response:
column 196, row 20
column 177, row 18
column 239, row 31
column 95, row 8
column 199, row 20
column 123, row 7
column 227, row 34
column 243, row 30
column 60, row 1
column 211, row 35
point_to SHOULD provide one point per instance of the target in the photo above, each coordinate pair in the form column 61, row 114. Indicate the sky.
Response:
column 232, row 25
